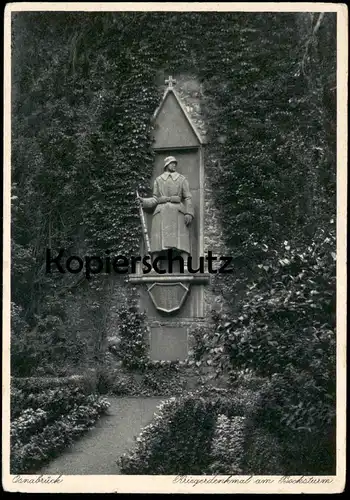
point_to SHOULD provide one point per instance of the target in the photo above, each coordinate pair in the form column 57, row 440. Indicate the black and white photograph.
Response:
column 174, row 239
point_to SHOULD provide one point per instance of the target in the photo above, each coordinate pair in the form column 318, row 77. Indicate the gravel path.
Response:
column 97, row 451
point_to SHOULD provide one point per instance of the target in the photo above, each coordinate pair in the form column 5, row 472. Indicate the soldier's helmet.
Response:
column 169, row 159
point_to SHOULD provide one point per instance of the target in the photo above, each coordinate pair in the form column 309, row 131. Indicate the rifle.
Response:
column 144, row 226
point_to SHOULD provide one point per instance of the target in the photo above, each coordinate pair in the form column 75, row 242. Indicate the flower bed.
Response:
column 45, row 422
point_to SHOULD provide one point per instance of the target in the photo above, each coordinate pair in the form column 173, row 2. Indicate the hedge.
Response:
column 179, row 439
column 43, row 423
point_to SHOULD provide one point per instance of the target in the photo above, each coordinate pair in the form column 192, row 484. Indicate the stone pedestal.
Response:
column 168, row 301
column 168, row 343
column 172, row 301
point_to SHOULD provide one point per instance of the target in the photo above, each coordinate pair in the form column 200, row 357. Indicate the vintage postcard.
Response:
column 174, row 241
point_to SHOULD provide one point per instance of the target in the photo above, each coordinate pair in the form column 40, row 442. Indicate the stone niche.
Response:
column 175, row 302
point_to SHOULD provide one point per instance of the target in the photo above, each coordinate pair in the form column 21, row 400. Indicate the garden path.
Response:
column 97, row 451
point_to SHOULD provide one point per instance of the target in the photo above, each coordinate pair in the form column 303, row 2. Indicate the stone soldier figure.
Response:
column 173, row 211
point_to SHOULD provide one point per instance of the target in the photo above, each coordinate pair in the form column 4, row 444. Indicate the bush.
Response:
column 86, row 381
column 105, row 378
column 56, row 401
column 164, row 379
column 264, row 454
column 285, row 333
column 44, row 423
column 28, row 423
column 178, row 440
column 132, row 332
column 157, row 378
column 39, row 384
column 295, row 409
column 228, row 445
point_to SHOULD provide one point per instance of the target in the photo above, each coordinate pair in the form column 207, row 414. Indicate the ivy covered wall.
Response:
column 85, row 85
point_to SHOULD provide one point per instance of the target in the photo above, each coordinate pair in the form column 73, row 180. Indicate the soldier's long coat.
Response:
column 168, row 221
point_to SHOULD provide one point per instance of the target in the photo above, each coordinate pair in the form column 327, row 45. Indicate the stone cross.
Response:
column 170, row 81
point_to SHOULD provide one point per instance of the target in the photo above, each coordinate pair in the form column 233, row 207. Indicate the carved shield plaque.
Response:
column 168, row 297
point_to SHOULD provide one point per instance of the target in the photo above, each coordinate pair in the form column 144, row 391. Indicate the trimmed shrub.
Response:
column 228, row 445
column 264, row 454
column 178, row 440
column 44, row 423
column 39, row 384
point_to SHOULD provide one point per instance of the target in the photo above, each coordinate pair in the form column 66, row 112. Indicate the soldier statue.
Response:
column 173, row 212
